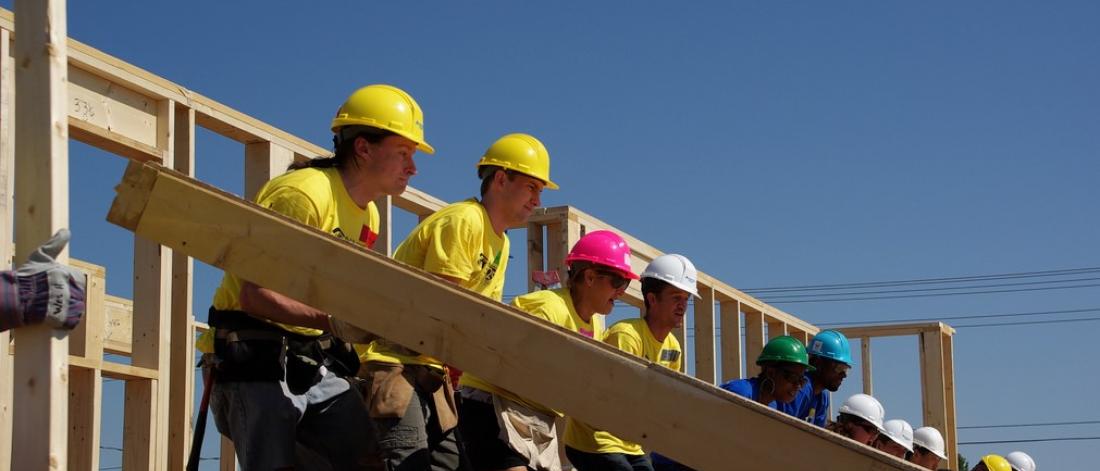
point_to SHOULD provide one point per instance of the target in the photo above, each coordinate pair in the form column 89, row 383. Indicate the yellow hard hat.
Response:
column 522, row 153
column 996, row 463
column 384, row 107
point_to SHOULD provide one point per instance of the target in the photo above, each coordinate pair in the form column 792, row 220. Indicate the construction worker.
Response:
column 928, row 448
column 410, row 401
column 860, row 419
column 831, row 357
column 503, row 431
column 783, row 365
column 42, row 290
column 896, row 438
column 1020, row 461
column 273, row 390
column 992, row 463
column 668, row 283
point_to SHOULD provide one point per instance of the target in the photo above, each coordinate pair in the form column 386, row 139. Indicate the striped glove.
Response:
column 42, row 290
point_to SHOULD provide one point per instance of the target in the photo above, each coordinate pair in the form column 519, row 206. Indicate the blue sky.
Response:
column 774, row 143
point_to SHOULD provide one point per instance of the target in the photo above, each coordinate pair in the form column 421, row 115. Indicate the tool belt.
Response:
column 388, row 389
column 249, row 349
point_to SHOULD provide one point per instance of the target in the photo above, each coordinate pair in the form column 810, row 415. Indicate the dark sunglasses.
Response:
column 839, row 367
column 617, row 281
column 792, row 377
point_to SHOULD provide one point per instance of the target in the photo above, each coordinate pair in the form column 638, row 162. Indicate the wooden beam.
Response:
column 42, row 182
column 112, row 142
column 499, row 343
column 418, row 202
column 384, row 244
column 933, row 399
column 952, row 437
column 755, row 338
column 776, row 328
column 7, row 227
column 892, row 330
column 536, row 256
column 86, row 385
column 262, row 162
column 181, row 389
column 114, row 370
column 865, row 350
column 227, row 456
column 730, row 312
column 703, row 314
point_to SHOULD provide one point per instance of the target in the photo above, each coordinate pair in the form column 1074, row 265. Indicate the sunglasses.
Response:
column 617, row 281
column 792, row 377
column 839, row 367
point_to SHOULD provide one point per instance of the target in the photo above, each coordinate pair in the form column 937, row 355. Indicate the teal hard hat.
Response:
column 832, row 345
column 785, row 349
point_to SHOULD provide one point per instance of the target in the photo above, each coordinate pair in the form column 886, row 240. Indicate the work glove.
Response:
column 43, row 290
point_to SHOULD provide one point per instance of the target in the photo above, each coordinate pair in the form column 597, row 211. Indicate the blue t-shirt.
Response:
column 749, row 388
column 808, row 407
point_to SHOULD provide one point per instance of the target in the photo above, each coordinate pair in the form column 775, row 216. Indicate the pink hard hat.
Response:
column 604, row 248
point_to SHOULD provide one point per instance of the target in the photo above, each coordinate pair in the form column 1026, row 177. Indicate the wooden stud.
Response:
column 181, row 389
column 384, row 244
column 227, row 456
column 865, row 350
column 85, row 384
column 776, row 328
column 7, row 210
column 557, row 249
column 932, row 381
column 731, row 340
column 42, row 182
column 952, row 437
column 536, row 258
column 704, row 334
column 755, row 338
column 145, row 422
column 501, row 344
column 262, row 162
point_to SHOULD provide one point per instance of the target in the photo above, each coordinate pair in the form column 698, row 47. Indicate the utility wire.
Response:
column 919, row 281
column 779, row 301
column 925, row 290
column 1036, row 424
column 1032, row 440
column 944, row 318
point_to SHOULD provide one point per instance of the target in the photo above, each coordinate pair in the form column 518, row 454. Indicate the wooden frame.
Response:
column 935, row 342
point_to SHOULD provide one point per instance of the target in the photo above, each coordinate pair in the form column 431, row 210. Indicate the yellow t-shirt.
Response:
column 315, row 197
column 555, row 306
column 457, row 241
column 634, row 337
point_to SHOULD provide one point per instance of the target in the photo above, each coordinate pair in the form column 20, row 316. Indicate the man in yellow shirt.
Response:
column 668, row 283
column 279, row 377
column 503, row 431
column 410, row 402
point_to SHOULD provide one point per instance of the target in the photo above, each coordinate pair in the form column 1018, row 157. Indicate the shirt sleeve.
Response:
column 293, row 203
column 536, row 309
column 451, row 249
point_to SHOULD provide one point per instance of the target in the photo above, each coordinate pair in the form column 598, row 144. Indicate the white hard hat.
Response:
column 930, row 439
column 675, row 269
column 900, row 432
column 866, row 408
column 1020, row 461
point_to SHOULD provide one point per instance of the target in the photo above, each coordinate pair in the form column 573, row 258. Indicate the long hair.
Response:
column 343, row 147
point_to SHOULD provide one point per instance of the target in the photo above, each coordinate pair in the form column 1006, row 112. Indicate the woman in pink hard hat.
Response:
column 599, row 272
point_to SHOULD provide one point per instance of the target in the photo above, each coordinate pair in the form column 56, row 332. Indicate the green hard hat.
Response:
column 786, row 349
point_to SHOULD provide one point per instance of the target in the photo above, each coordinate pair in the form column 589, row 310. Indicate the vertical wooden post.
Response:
column 932, row 383
column 182, row 360
column 952, row 436
column 731, row 340
column 557, row 248
column 41, row 406
column 704, row 334
column 262, row 162
column 227, row 461
column 7, row 210
column 536, row 258
column 85, row 384
column 384, row 244
column 145, row 423
column 865, row 350
column 754, row 340
column 776, row 329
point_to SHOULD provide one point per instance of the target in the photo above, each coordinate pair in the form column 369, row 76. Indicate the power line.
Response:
column 1032, row 440
column 948, row 288
column 1036, row 424
column 919, row 281
column 1056, row 321
column 776, row 301
column 943, row 318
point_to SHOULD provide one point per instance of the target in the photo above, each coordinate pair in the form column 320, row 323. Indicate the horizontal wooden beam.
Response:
column 894, row 330
column 114, row 370
column 499, row 343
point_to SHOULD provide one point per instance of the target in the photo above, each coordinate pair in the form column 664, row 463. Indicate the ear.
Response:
column 651, row 297
column 362, row 147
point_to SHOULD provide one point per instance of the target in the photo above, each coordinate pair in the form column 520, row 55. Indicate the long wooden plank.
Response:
column 730, row 312
column 499, row 343
column 384, row 244
column 7, row 210
column 755, row 338
column 865, row 364
column 182, row 356
column 952, row 437
column 42, row 182
column 704, row 334
column 893, row 330
column 86, row 385
column 933, row 400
